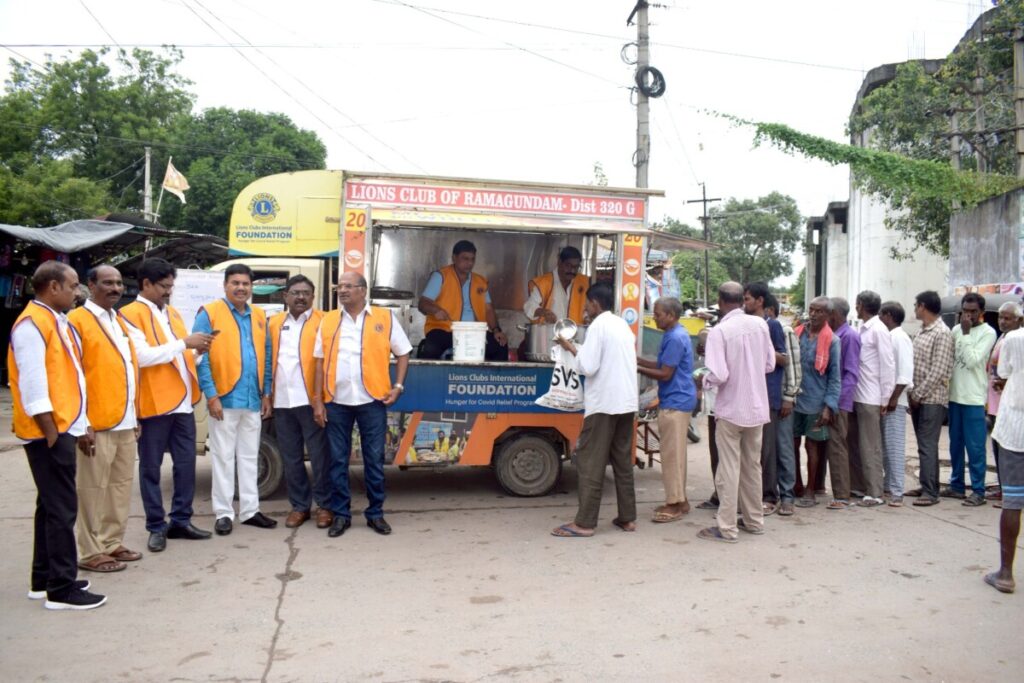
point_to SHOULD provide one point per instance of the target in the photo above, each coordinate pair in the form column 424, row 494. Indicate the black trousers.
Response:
column 54, row 554
column 437, row 342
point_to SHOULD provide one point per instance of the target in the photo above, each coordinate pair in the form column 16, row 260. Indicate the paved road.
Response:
column 472, row 587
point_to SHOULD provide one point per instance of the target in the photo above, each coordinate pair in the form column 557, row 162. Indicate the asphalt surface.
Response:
column 471, row 587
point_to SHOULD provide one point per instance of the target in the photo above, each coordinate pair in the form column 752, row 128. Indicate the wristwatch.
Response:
column 400, row 387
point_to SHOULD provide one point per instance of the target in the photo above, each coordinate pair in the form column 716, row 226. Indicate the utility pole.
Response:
column 147, row 192
column 1018, row 96
column 643, row 110
column 706, row 221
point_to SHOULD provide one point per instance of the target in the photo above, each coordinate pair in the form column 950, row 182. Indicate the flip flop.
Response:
column 625, row 526
column 1001, row 585
column 707, row 505
column 103, row 564
column 663, row 517
column 806, row 503
column 712, row 533
column 125, row 555
column 566, row 531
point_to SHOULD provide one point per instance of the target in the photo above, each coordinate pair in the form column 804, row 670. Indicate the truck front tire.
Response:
column 528, row 466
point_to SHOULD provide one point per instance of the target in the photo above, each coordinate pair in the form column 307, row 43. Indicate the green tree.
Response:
column 223, row 150
column 757, row 236
column 796, row 292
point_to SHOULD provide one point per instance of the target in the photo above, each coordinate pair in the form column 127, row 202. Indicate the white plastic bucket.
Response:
column 469, row 341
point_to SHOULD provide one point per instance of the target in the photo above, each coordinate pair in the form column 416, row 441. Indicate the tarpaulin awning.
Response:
column 71, row 236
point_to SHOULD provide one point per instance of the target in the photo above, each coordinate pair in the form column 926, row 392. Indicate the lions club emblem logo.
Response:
column 378, row 328
column 263, row 207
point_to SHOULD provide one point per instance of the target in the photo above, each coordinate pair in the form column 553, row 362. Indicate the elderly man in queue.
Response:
column 168, row 388
column 608, row 361
column 785, row 478
column 235, row 378
column 1011, row 316
column 104, row 480
column 292, row 335
column 1009, row 433
column 353, row 362
column 50, row 418
column 739, row 356
column 929, row 397
column 894, row 420
column 973, row 340
column 875, row 383
column 559, row 294
column 456, row 293
column 677, row 397
column 818, row 402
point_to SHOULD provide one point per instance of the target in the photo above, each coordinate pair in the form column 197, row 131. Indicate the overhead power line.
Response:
column 98, row 22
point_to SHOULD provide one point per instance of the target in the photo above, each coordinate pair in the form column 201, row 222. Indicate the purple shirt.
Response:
column 849, row 347
column 738, row 354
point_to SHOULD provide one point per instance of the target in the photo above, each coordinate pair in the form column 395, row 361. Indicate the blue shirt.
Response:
column 679, row 392
column 774, row 378
column 433, row 290
column 246, row 395
column 817, row 390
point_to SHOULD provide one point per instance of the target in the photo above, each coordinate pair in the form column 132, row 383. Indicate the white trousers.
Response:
column 234, row 444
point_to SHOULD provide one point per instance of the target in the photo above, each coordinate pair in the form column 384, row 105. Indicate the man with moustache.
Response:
column 353, row 361
column 235, row 379
column 167, row 390
column 292, row 338
column 50, row 418
column 559, row 294
column 104, row 480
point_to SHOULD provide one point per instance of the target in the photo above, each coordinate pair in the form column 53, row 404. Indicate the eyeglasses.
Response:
column 300, row 293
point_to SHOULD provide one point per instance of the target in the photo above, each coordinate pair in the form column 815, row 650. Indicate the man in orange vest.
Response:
column 168, row 389
column 49, row 401
column 353, row 351
column 292, row 338
column 548, row 303
column 236, row 381
column 455, row 292
column 104, row 480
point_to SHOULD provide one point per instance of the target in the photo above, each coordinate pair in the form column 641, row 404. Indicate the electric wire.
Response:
column 98, row 22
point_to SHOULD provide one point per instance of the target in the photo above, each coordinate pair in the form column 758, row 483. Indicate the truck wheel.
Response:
column 528, row 466
column 271, row 468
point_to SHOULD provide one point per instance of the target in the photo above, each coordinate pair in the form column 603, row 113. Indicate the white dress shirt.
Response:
column 877, row 364
column 30, row 356
column 289, row 383
column 171, row 352
column 1009, row 429
column 608, row 360
column 559, row 303
column 349, row 389
column 903, row 351
column 108, row 321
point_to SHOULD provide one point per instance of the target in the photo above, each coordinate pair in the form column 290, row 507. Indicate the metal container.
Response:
column 540, row 337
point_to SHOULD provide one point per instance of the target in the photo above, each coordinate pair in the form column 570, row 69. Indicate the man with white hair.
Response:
column 1011, row 315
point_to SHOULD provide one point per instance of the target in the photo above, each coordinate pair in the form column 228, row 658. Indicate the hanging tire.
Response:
column 528, row 466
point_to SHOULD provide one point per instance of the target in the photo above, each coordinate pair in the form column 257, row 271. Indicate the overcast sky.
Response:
column 530, row 89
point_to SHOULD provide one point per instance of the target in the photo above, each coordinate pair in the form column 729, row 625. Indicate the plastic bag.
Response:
column 566, row 390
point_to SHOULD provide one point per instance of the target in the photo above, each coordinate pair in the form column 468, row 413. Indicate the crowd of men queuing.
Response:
column 98, row 387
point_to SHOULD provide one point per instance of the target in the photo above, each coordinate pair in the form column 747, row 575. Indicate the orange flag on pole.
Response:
column 174, row 182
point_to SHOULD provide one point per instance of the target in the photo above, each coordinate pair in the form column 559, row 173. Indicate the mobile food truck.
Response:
column 396, row 230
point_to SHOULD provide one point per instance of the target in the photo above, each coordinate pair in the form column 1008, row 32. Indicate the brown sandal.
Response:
column 125, row 555
column 103, row 564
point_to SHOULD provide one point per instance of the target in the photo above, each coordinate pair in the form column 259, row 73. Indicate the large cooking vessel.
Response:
column 540, row 337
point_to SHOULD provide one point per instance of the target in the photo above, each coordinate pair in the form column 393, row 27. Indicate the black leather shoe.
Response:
column 379, row 525
column 338, row 526
column 157, row 541
column 223, row 526
column 188, row 531
column 261, row 520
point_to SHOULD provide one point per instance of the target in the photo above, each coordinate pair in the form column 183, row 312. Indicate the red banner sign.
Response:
column 498, row 201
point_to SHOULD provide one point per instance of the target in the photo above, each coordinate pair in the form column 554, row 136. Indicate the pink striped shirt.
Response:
column 739, row 353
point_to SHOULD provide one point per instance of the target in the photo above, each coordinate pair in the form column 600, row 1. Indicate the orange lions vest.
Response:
column 577, row 294
column 106, row 375
column 226, row 351
column 450, row 299
column 376, row 351
column 61, row 374
column 307, row 340
column 160, row 387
